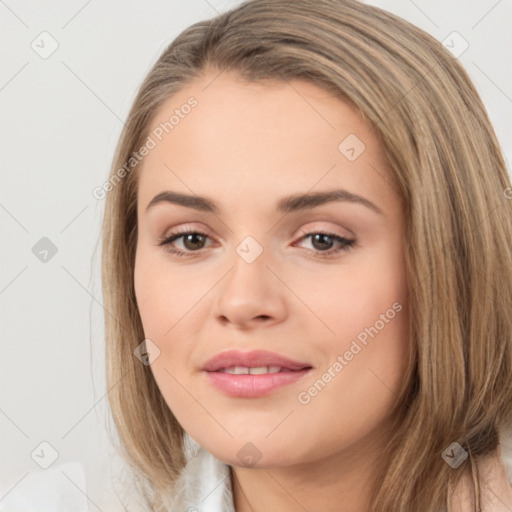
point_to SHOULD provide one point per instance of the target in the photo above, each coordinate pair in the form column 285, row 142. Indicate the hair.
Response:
column 450, row 172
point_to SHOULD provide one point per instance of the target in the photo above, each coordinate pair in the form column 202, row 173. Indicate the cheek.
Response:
column 171, row 305
column 355, row 391
column 164, row 296
column 349, row 300
column 367, row 309
column 163, row 303
column 148, row 292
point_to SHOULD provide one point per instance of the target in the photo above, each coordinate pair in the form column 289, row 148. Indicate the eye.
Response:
column 192, row 240
column 322, row 243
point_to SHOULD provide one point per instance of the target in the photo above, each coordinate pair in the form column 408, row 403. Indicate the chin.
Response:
column 255, row 452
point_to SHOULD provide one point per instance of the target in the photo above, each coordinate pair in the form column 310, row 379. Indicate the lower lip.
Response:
column 253, row 386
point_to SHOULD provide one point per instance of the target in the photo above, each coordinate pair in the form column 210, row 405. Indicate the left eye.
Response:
column 322, row 239
column 193, row 241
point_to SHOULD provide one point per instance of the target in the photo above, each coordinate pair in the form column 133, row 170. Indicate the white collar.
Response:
column 205, row 483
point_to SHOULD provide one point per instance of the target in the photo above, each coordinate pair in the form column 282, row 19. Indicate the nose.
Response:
column 250, row 295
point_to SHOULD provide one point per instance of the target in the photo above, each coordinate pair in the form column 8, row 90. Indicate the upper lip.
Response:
column 251, row 359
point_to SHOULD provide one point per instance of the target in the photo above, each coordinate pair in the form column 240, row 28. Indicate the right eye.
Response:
column 191, row 240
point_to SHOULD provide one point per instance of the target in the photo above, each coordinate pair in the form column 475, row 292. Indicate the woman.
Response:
column 307, row 269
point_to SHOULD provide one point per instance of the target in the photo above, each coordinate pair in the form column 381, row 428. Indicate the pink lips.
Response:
column 252, row 386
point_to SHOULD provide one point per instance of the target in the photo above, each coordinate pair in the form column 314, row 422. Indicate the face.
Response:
column 319, row 281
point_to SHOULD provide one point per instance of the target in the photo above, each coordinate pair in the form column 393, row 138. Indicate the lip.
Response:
column 253, row 359
column 253, row 386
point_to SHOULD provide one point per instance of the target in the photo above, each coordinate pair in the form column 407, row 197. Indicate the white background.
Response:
column 61, row 118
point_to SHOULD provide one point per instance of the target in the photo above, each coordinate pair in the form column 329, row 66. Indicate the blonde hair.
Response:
column 451, row 174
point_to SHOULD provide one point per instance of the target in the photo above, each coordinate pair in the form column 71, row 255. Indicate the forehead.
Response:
column 258, row 139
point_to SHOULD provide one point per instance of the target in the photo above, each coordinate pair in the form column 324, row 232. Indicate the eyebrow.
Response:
column 293, row 203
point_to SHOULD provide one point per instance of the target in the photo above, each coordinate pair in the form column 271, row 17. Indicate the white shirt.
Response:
column 205, row 484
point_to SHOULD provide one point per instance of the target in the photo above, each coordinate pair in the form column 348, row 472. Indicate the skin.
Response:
column 245, row 146
column 496, row 493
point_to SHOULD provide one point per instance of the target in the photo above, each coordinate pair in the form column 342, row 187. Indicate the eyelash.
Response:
column 347, row 244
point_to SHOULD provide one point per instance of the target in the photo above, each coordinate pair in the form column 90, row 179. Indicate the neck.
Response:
column 339, row 483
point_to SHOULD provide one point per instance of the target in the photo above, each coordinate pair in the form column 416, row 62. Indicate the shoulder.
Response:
column 496, row 489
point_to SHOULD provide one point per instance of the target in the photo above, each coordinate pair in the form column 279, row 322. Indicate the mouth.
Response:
column 253, row 374
column 258, row 370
